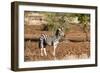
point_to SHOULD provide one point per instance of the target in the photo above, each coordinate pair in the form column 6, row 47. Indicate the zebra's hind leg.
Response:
column 41, row 51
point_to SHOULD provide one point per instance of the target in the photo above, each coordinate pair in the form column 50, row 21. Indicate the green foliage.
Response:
column 51, row 19
column 84, row 19
column 55, row 20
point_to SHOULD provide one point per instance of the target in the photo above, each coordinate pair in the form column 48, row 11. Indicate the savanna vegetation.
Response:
column 77, row 36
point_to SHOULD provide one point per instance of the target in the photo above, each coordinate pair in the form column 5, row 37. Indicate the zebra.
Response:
column 52, row 41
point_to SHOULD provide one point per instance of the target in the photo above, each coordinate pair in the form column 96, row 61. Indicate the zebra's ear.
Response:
column 59, row 29
column 62, row 28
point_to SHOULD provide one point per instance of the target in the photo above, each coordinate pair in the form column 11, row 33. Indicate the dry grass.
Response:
column 73, row 48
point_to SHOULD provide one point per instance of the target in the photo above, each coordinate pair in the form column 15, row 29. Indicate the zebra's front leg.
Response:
column 54, row 52
column 54, row 49
column 45, row 51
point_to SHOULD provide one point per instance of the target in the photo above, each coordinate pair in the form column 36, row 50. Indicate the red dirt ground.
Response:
column 75, row 46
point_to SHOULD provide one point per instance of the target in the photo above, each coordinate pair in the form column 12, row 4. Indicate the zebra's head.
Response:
column 60, row 32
